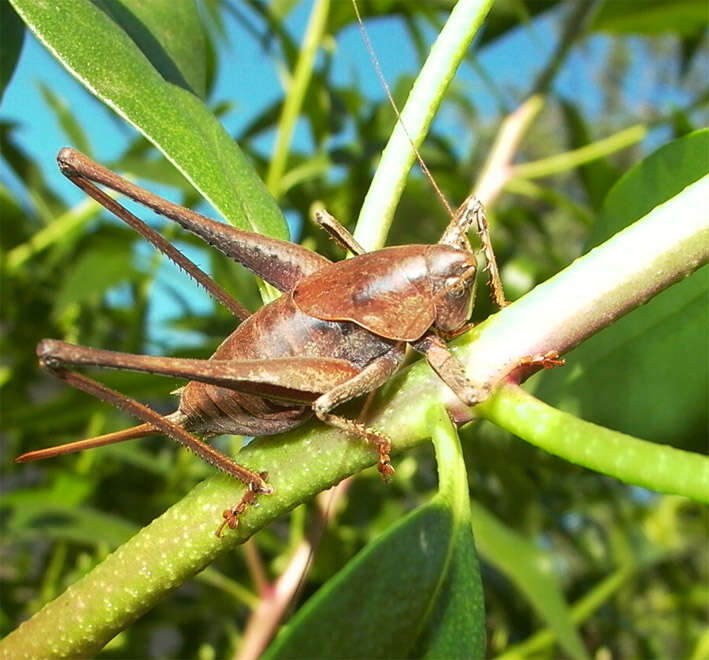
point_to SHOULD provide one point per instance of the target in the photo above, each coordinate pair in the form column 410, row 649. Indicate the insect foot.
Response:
column 529, row 364
column 382, row 443
column 231, row 516
column 549, row 360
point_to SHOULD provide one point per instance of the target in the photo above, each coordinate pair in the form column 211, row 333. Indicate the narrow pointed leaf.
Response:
column 530, row 571
column 103, row 57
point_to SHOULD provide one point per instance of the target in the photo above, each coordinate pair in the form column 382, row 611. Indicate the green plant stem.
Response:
column 637, row 462
column 571, row 159
column 495, row 172
column 237, row 591
column 529, row 569
column 558, row 314
column 603, row 285
column 66, row 223
column 536, row 192
column 295, row 94
column 424, row 99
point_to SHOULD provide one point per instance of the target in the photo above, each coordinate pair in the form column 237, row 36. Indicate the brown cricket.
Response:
column 339, row 331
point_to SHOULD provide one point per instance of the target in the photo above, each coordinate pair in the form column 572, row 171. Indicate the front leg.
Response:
column 449, row 369
column 371, row 377
column 452, row 372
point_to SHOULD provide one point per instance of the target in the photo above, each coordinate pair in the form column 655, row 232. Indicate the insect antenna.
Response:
column 375, row 62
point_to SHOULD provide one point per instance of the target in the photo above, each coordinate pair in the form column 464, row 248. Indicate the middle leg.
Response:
column 370, row 378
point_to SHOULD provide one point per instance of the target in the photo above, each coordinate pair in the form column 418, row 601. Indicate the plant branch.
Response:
column 424, row 99
column 580, row 611
column 498, row 168
column 295, row 95
column 496, row 171
column 568, row 160
column 277, row 597
column 587, row 296
column 638, row 462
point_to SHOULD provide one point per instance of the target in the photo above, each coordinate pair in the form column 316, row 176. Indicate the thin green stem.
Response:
column 424, row 99
column 67, row 222
column 295, row 94
column 218, row 580
column 648, row 464
column 534, row 191
column 580, row 611
column 528, row 569
column 495, row 172
column 576, row 157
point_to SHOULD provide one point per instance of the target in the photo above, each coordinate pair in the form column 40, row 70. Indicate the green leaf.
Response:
column 70, row 523
column 420, row 582
column 169, row 34
column 530, row 570
column 651, row 16
column 647, row 374
column 12, row 35
column 106, row 60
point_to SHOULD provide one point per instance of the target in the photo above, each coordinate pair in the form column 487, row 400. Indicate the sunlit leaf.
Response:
column 169, row 34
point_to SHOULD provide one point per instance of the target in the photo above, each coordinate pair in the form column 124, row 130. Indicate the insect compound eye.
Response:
column 455, row 286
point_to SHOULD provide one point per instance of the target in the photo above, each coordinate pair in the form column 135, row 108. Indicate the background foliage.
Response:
column 557, row 543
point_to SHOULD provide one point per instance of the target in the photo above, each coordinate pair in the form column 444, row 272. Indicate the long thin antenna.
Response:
column 385, row 85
